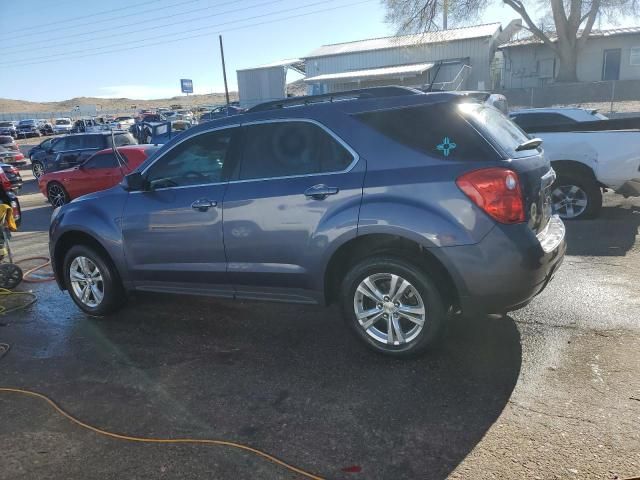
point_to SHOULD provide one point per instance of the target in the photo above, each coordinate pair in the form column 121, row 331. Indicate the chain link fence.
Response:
column 617, row 98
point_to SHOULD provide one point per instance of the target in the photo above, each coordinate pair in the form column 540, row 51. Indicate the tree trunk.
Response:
column 568, row 55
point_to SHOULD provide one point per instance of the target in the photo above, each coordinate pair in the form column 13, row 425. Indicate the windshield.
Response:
column 122, row 119
column 27, row 122
column 6, row 124
column 63, row 122
column 490, row 121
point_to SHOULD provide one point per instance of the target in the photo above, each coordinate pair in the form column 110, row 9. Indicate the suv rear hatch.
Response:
column 534, row 170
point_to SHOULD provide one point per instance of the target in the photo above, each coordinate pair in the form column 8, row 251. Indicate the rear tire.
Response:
column 92, row 281
column 37, row 168
column 576, row 196
column 403, row 317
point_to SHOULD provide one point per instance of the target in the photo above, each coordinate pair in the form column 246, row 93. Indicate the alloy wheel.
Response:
column 57, row 195
column 569, row 201
column 86, row 281
column 38, row 170
column 389, row 309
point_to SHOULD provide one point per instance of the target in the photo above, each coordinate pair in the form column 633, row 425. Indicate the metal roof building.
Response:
column 612, row 54
column 266, row 82
column 450, row 59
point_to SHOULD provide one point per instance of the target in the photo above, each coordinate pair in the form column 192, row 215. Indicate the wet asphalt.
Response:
column 546, row 392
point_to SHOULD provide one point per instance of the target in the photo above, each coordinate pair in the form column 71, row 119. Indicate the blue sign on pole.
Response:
column 186, row 84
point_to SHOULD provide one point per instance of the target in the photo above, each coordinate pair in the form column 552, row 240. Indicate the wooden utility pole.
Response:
column 224, row 71
column 445, row 13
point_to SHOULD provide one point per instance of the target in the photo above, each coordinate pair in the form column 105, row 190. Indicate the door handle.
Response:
column 320, row 192
column 203, row 204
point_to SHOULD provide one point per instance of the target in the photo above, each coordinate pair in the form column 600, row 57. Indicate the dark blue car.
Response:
column 397, row 204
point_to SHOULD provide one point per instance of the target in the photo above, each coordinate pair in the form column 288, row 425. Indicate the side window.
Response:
column 60, row 145
column 199, row 160
column 102, row 160
column 74, row 142
column 46, row 145
column 282, row 149
column 437, row 130
column 93, row 141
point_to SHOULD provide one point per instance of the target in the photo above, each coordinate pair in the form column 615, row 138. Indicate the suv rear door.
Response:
column 297, row 189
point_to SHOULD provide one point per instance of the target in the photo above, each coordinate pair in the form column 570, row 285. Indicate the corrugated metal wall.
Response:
column 476, row 50
column 522, row 67
column 261, row 85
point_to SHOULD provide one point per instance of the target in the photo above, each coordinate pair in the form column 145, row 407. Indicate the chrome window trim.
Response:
column 354, row 154
column 331, row 133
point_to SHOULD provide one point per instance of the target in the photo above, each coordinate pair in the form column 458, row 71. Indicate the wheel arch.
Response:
column 568, row 166
column 363, row 246
column 70, row 239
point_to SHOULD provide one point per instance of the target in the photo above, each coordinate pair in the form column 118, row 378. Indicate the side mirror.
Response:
column 134, row 182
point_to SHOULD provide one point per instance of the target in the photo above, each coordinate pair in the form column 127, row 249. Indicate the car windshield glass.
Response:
column 63, row 122
column 27, row 122
column 492, row 122
column 6, row 124
column 5, row 140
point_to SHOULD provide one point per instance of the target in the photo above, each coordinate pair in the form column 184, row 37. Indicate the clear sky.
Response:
column 55, row 50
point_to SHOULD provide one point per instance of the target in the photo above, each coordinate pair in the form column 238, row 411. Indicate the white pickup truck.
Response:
column 588, row 152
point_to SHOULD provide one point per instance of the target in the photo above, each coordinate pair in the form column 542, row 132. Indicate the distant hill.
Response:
column 124, row 104
column 120, row 104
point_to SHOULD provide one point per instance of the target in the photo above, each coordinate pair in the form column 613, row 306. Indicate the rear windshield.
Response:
column 437, row 130
column 6, row 124
column 498, row 127
column 123, row 138
column 122, row 119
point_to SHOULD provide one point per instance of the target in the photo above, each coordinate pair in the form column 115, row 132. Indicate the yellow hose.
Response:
column 196, row 441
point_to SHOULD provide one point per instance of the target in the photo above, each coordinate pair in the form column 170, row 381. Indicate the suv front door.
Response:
column 298, row 188
column 173, row 231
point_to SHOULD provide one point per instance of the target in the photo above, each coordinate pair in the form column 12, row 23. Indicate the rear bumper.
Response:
column 508, row 268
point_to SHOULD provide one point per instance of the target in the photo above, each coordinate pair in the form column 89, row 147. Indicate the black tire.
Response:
column 37, row 167
column 419, row 279
column 585, row 183
column 114, row 295
column 57, row 194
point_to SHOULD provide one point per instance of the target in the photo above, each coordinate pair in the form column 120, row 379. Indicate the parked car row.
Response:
column 400, row 206
column 71, row 150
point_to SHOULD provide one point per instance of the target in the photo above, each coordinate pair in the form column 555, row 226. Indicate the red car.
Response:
column 99, row 172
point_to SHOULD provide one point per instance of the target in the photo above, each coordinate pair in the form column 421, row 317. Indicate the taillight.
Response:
column 496, row 191
column 5, row 182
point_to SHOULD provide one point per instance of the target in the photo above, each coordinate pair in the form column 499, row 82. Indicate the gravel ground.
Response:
column 549, row 392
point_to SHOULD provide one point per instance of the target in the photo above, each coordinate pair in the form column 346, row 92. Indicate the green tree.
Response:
column 573, row 21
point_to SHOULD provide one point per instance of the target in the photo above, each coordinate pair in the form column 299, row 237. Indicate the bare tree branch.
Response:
column 531, row 26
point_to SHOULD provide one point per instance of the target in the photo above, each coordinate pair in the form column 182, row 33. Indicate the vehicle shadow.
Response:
column 613, row 233
column 286, row 379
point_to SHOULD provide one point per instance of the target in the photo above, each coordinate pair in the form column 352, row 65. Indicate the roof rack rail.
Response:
column 373, row 92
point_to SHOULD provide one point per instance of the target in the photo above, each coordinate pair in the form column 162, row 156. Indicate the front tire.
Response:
column 393, row 306
column 576, row 196
column 92, row 281
column 57, row 195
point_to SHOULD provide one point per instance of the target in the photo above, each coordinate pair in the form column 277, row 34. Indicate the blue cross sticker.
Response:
column 446, row 146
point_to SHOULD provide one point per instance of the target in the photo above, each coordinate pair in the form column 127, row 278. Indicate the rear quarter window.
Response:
column 437, row 130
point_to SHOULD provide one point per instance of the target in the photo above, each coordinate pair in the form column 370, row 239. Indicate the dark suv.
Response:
column 70, row 150
column 400, row 205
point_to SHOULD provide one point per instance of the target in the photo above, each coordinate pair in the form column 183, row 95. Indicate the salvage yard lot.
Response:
column 551, row 391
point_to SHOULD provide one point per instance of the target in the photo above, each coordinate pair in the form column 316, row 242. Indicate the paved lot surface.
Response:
column 551, row 391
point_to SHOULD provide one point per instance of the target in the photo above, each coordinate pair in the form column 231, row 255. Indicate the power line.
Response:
column 83, row 17
column 136, row 44
column 173, row 40
column 153, row 27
